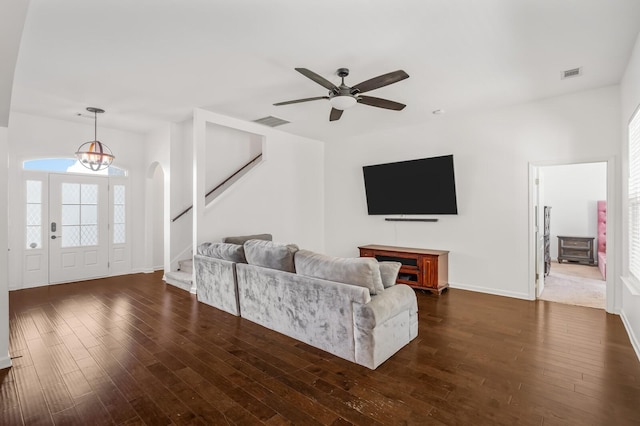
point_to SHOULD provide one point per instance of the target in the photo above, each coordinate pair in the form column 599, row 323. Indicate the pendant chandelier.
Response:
column 95, row 155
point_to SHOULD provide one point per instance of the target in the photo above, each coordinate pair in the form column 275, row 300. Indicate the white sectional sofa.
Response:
column 340, row 305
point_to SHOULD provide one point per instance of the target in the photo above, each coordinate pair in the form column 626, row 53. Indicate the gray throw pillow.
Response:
column 244, row 238
column 389, row 272
column 271, row 255
column 224, row 251
column 360, row 271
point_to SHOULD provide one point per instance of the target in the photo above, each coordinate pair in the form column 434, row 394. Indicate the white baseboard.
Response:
column 179, row 285
column 632, row 336
column 119, row 274
column 5, row 362
column 29, row 286
column 493, row 291
column 139, row 271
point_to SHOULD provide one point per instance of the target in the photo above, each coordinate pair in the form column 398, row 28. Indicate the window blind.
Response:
column 634, row 195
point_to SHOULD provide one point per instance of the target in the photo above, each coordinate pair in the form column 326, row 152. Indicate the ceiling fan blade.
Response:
column 318, row 79
column 380, row 103
column 301, row 100
column 335, row 114
column 380, row 81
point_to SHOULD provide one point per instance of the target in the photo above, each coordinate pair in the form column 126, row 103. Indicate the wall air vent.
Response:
column 271, row 121
column 575, row 72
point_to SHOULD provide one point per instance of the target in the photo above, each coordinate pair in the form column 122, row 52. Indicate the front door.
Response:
column 78, row 227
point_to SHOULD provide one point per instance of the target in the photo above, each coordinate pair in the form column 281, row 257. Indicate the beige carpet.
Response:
column 575, row 284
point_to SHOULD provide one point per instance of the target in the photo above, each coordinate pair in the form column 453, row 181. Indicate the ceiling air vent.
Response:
column 271, row 121
column 575, row 72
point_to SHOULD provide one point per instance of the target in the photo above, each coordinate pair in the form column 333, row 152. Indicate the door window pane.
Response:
column 89, row 235
column 33, row 213
column 89, row 194
column 70, row 193
column 118, row 233
column 71, row 214
column 70, row 236
column 119, row 216
column 34, row 237
column 89, row 215
column 34, row 192
column 79, row 215
column 118, row 194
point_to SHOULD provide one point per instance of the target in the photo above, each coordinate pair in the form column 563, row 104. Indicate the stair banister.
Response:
column 185, row 211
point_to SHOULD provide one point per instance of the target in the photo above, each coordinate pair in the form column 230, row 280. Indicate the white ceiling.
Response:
column 146, row 61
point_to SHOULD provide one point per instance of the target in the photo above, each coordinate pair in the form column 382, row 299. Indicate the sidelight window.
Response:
column 34, row 214
column 119, row 236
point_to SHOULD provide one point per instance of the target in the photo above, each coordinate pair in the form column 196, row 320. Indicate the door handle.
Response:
column 53, row 237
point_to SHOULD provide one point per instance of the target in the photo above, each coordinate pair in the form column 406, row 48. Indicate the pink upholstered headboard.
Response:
column 602, row 226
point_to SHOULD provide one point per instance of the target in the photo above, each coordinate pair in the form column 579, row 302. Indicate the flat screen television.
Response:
column 423, row 186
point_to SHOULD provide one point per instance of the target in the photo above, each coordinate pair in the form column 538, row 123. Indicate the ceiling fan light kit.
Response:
column 344, row 97
column 343, row 101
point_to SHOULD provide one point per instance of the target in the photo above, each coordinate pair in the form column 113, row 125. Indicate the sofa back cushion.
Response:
column 360, row 271
column 244, row 238
column 224, row 251
column 271, row 255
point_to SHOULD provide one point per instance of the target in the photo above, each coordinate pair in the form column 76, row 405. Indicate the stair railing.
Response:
column 185, row 211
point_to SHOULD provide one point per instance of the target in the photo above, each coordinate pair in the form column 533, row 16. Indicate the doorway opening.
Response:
column 570, row 204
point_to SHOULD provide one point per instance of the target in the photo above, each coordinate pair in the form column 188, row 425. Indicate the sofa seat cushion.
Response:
column 271, row 255
column 244, row 238
column 224, row 251
column 360, row 271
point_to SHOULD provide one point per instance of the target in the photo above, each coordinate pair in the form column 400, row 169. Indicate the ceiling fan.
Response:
column 343, row 97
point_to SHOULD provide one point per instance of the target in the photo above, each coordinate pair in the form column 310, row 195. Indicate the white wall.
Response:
column 38, row 137
column 488, row 239
column 156, row 216
column 226, row 151
column 630, row 100
column 181, row 191
column 12, row 20
column 283, row 196
column 572, row 191
column 158, row 149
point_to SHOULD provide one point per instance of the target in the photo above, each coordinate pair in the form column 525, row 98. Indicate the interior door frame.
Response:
column 611, row 293
column 538, row 211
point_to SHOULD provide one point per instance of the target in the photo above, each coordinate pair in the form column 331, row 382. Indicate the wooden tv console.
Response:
column 421, row 268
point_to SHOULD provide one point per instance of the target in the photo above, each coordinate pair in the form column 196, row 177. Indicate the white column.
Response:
column 199, row 137
column 5, row 359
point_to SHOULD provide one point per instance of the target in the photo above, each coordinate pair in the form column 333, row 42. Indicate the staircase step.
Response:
column 185, row 265
column 179, row 279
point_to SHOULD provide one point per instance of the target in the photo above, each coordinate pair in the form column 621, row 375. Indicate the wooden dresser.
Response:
column 577, row 249
column 421, row 268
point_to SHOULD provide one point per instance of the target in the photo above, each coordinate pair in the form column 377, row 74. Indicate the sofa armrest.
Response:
column 216, row 283
column 384, row 306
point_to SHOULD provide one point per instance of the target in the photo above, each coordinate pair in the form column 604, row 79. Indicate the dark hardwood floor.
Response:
column 132, row 350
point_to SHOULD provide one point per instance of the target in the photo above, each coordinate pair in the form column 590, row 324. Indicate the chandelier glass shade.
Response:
column 94, row 155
